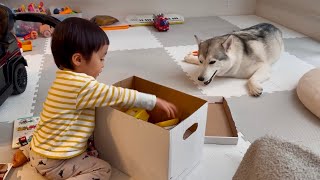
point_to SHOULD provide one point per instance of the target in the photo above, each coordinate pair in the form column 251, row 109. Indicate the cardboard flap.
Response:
column 230, row 118
column 126, row 83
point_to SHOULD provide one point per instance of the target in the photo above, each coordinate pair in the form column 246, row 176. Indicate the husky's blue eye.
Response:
column 212, row 62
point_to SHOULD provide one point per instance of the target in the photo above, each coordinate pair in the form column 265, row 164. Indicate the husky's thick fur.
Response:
column 246, row 54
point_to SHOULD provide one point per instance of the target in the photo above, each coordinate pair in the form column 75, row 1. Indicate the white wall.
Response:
column 121, row 8
column 300, row 15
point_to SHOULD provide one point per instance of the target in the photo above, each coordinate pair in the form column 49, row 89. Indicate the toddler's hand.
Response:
column 164, row 110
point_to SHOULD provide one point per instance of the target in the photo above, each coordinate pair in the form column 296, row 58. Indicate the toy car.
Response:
column 160, row 22
column 23, row 141
column 13, row 74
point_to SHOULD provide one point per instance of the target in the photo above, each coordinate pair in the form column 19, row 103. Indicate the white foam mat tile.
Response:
column 313, row 145
column 47, row 49
column 219, row 161
column 245, row 21
column 288, row 70
column 132, row 38
column 216, row 166
column 18, row 106
column 285, row 75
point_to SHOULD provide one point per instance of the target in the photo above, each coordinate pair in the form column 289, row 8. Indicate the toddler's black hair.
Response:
column 76, row 35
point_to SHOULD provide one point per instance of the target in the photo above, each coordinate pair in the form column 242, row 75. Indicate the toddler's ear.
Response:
column 77, row 59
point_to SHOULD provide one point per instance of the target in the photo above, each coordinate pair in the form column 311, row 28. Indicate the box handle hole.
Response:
column 190, row 131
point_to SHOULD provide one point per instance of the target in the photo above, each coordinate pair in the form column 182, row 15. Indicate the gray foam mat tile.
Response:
column 306, row 49
column 302, row 47
column 48, row 73
column 6, row 152
column 183, row 34
column 152, row 64
column 279, row 114
column 6, row 133
column 13, row 174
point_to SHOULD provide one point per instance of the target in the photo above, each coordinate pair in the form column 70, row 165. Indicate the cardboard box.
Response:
column 220, row 127
column 144, row 150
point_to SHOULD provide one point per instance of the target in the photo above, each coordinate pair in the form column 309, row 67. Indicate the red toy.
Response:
column 160, row 22
column 23, row 141
column 31, row 35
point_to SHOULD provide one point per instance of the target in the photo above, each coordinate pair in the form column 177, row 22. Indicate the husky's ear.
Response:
column 197, row 39
column 227, row 43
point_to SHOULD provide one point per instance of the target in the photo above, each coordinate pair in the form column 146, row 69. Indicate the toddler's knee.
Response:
column 106, row 167
column 105, row 171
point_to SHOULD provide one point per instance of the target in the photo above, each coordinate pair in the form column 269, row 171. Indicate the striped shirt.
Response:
column 68, row 116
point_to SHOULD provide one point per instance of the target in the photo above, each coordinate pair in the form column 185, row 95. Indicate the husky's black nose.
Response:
column 200, row 78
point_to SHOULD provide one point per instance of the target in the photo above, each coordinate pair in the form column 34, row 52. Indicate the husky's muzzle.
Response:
column 209, row 81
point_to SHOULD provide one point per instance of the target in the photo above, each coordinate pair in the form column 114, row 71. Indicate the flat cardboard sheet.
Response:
column 220, row 127
column 218, row 123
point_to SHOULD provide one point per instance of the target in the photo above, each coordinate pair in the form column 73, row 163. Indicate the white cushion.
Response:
column 308, row 91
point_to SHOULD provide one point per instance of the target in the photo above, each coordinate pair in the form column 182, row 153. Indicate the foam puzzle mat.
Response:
column 132, row 38
column 281, row 114
column 21, row 105
column 158, row 56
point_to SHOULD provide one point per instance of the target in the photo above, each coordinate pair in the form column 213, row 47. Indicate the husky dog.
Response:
column 246, row 54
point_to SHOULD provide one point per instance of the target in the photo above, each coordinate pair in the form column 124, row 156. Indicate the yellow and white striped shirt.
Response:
column 68, row 116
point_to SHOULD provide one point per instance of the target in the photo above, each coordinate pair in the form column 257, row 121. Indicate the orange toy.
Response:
column 32, row 35
column 195, row 53
column 66, row 10
column 107, row 28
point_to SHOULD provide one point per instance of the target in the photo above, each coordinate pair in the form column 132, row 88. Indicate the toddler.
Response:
column 57, row 149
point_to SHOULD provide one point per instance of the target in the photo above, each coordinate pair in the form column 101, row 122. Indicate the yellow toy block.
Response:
column 26, row 45
column 138, row 113
column 167, row 123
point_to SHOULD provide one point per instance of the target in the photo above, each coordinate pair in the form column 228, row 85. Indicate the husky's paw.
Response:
column 255, row 89
column 192, row 59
